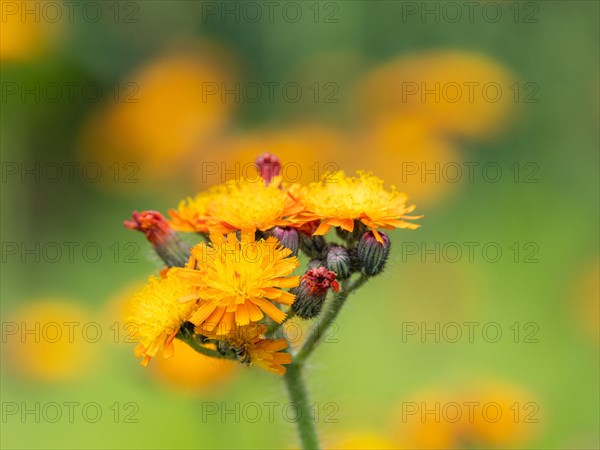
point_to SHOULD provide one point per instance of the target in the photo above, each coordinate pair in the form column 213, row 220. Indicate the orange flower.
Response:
column 251, row 348
column 237, row 281
column 246, row 205
column 157, row 313
column 339, row 200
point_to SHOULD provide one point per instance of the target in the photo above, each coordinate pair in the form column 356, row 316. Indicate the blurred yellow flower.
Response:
column 361, row 441
column 585, row 303
column 511, row 418
column 50, row 340
column 24, row 37
column 488, row 414
column 157, row 313
column 238, row 281
column 408, row 153
column 458, row 93
column 339, row 200
column 306, row 150
column 164, row 113
column 191, row 370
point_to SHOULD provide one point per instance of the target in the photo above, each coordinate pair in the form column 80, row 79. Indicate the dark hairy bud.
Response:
column 288, row 238
column 338, row 261
column 372, row 255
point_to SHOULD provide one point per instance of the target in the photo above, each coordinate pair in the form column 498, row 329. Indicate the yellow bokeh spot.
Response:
column 51, row 340
column 360, row 441
column 21, row 38
column 192, row 371
column 407, row 153
column 458, row 93
column 487, row 414
column 164, row 113
column 585, row 301
column 511, row 418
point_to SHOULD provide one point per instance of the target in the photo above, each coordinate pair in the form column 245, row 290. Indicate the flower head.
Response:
column 339, row 200
column 157, row 313
column 244, row 204
column 237, row 281
column 192, row 214
column 249, row 346
column 318, row 280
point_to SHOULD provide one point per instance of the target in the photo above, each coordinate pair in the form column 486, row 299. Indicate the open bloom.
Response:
column 238, row 205
column 157, row 313
column 339, row 200
column 237, row 281
column 192, row 214
column 248, row 344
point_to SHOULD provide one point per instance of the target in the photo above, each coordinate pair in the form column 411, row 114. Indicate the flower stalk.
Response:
column 299, row 397
column 294, row 377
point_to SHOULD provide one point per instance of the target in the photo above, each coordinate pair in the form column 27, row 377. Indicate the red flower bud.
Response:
column 269, row 166
column 165, row 241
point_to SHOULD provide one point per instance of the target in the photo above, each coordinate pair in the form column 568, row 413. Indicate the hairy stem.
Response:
column 299, row 397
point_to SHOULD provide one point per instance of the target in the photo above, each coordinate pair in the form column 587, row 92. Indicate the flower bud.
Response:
column 288, row 238
column 372, row 255
column 313, row 246
column 310, row 295
column 338, row 261
column 314, row 263
column 268, row 166
column 164, row 240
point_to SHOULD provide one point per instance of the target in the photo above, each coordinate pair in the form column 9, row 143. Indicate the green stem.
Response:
column 299, row 397
column 293, row 375
column 191, row 340
column 329, row 316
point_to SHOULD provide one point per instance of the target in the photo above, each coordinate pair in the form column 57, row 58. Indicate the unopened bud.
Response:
column 268, row 166
column 314, row 263
column 310, row 295
column 312, row 246
column 372, row 255
column 338, row 261
column 288, row 238
column 164, row 240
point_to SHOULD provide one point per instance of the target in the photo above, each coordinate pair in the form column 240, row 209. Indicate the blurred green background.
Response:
column 128, row 88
